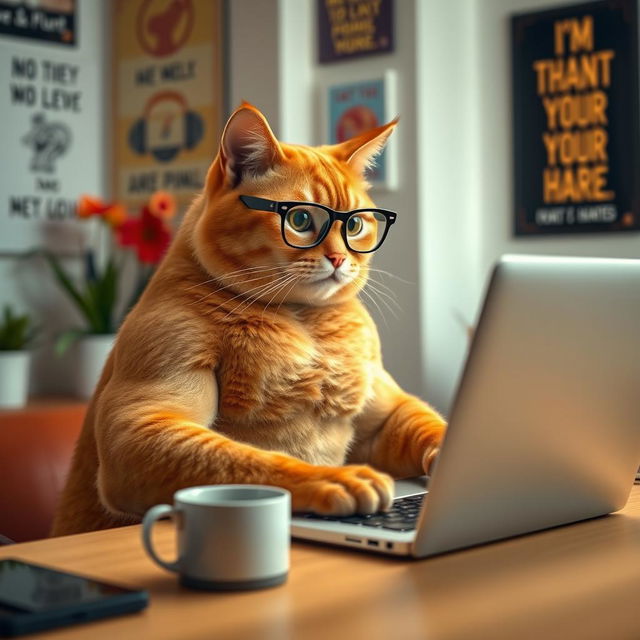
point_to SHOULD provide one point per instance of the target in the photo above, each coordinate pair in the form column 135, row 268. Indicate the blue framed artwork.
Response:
column 356, row 107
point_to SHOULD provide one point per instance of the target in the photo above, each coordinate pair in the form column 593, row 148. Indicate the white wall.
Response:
column 466, row 175
column 270, row 63
column 448, row 186
column 26, row 283
column 253, row 46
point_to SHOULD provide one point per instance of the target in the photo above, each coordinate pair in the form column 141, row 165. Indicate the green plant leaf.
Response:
column 16, row 331
column 92, row 297
column 90, row 266
column 66, row 339
column 65, row 282
column 96, row 298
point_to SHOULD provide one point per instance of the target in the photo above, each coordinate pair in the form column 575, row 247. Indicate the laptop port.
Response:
column 389, row 545
column 373, row 543
column 356, row 540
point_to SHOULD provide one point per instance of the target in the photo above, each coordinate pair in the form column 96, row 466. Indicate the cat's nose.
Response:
column 336, row 259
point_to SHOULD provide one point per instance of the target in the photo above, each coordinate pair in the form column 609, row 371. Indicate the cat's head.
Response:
column 253, row 245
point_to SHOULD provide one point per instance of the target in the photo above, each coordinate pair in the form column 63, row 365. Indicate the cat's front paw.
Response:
column 431, row 453
column 341, row 491
column 429, row 459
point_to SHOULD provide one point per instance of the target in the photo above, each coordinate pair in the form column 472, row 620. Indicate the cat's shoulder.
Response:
column 160, row 332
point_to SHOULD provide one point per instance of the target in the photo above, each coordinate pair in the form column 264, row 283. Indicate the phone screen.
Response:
column 34, row 588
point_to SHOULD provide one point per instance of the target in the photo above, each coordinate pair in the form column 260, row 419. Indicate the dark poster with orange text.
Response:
column 575, row 118
column 354, row 28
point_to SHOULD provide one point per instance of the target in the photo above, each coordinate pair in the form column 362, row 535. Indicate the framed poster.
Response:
column 168, row 96
column 51, row 105
column 355, row 107
column 45, row 20
column 575, row 117
column 352, row 28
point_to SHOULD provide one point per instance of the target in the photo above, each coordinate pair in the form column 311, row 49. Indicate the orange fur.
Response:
column 256, row 376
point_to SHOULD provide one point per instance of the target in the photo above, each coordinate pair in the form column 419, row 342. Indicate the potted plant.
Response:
column 16, row 334
column 98, row 294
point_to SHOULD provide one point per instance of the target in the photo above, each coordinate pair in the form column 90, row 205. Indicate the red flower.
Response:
column 115, row 215
column 91, row 206
column 162, row 205
column 111, row 212
column 149, row 235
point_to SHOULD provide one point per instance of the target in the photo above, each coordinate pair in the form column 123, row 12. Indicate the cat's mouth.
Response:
column 324, row 285
column 333, row 277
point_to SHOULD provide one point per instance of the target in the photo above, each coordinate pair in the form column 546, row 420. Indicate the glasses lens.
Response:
column 365, row 230
column 304, row 225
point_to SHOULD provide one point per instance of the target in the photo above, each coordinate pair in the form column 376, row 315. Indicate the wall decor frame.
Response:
column 50, row 128
column 168, row 96
column 576, row 131
column 352, row 107
column 350, row 29
column 43, row 20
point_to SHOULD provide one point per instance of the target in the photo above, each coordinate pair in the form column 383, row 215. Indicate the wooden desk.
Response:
column 580, row 581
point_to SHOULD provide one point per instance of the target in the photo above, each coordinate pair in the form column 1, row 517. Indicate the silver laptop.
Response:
column 545, row 428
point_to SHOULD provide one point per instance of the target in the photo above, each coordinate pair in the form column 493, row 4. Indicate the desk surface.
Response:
column 579, row 581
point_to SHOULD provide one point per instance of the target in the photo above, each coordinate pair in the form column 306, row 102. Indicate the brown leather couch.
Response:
column 36, row 445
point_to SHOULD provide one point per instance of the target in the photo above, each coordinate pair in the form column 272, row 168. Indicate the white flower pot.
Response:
column 93, row 351
column 14, row 378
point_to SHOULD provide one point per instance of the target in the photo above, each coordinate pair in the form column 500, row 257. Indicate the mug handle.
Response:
column 148, row 521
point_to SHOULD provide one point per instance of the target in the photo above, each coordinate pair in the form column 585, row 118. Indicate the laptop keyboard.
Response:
column 402, row 516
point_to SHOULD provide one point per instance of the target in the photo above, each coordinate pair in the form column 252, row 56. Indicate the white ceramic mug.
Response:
column 233, row 536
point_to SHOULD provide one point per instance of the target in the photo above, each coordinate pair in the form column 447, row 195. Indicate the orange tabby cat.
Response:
column 250, row 361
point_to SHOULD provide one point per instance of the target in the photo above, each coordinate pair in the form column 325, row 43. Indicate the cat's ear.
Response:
column 248, row 146
column 361, row 151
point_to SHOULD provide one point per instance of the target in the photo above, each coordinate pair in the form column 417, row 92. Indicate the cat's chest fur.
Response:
column 315, row 365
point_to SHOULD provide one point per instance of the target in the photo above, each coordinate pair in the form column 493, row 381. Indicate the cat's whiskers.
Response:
column 245, row 304
column 381, row 289
column 245, row 293
column 391, row 310
column 383, row 285
column 375, row 284
column 226, row 286
column 236, row 274
column 261, row 290
column 368, row 283
column 388, row 273
column 293, row 279
column 278, row 286
column 366, row 293
column 287, row 293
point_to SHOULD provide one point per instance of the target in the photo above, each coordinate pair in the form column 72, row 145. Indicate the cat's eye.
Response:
column 366, row 230
column 355, row 225
column 300, row 220
column 304, row 225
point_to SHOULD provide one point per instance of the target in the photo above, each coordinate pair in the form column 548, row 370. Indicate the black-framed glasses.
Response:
column 306, row 224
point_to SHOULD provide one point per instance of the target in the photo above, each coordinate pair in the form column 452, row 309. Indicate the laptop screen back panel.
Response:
column 546, row 426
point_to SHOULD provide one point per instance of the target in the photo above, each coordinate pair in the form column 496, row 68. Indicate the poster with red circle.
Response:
column 168, row 102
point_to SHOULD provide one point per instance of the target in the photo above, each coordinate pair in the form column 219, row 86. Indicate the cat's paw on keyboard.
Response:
column 344, row 490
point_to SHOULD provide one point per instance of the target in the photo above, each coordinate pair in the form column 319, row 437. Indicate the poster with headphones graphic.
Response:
column 167, row 127
column 168, row 102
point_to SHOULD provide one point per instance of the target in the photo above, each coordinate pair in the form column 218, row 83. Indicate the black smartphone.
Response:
column 35, row 598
